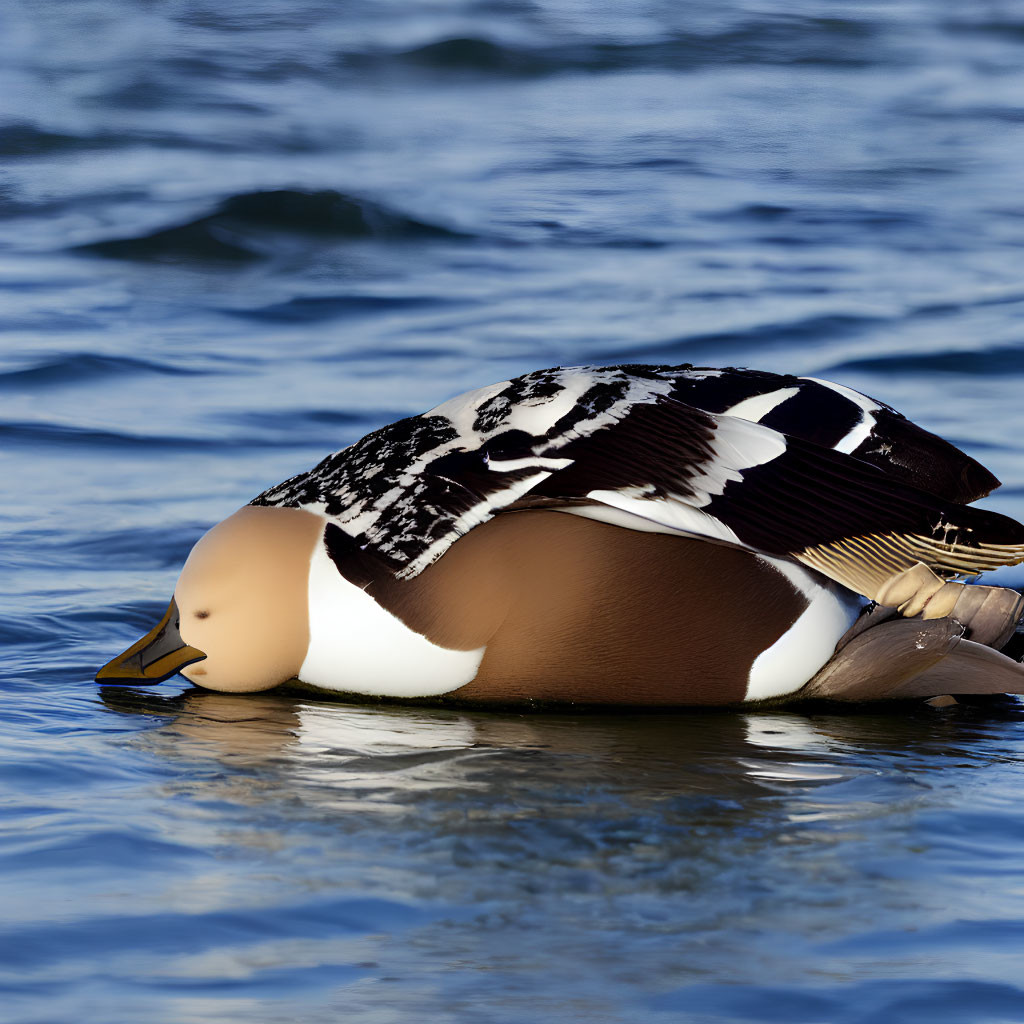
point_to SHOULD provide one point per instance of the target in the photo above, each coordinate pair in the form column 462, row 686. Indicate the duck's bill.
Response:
column 157, row 656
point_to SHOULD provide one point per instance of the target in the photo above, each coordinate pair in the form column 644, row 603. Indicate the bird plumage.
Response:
column 624, row 535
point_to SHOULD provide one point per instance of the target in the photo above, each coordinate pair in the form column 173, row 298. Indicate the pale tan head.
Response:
column 239, row 621
column 243, row 599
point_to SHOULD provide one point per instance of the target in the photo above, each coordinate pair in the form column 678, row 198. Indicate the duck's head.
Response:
column 239, row 619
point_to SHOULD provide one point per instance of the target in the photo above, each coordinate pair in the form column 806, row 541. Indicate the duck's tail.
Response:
column 886, row 657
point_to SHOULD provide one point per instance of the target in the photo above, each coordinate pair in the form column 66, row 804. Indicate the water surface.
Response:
column 236, row 237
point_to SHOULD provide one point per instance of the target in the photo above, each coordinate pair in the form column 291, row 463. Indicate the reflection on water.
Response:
column 587, row 864
column 257, row 849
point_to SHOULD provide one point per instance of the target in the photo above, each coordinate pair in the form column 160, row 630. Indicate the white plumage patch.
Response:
column 666, row 515
column 356, row 646
column 862, row 430
column 807, row 645
column 757, row 407
column 737, row 445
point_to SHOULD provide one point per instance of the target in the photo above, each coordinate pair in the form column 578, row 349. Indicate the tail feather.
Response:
column 902, row 659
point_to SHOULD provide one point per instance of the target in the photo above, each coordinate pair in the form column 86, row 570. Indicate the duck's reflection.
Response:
column 638, row 822
column 402, row 748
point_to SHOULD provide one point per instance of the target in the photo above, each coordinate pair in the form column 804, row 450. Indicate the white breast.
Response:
column 356, row 646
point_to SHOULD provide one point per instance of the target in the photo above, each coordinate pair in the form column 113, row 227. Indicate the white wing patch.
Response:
column 861, row 431
column 670, row 514
column 755, row 408
column 737, row 445
column 462, row 409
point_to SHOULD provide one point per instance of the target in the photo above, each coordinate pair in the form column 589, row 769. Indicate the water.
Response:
column 236, row 237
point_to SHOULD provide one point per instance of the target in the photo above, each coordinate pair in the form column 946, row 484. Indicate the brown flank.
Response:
column 575, row 610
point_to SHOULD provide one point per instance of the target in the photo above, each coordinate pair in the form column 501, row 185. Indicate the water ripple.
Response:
column 901, row 1001
column 241, row 227
column 171, row 934
column 833, row 41
column 74, row 368
column 993, row 361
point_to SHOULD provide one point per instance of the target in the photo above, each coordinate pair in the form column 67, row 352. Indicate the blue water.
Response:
column 234, row 237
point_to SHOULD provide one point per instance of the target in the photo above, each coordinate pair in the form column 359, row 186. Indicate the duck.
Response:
column 631, row 535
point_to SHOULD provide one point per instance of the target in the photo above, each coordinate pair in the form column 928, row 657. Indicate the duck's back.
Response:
column 787, row 467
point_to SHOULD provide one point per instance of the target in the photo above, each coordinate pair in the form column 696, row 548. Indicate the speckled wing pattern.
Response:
column 786, row 466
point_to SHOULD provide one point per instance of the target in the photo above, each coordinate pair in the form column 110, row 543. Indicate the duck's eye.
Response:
column 202, row 615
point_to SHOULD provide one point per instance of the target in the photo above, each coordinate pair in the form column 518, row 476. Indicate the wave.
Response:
column 23, row 139
column 258, row 433
column 181, row 933
column 291, row 419
column 241, row 227
column 79, row 367
column 161, row 548
column 318, row 308
column 790, row 40
column 956, row 999
column 1004, row 361
column 815, row 217
column 315, row 430
column 13, row 432
column 813, row 328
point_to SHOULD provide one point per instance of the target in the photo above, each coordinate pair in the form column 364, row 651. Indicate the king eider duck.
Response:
column 622, row 535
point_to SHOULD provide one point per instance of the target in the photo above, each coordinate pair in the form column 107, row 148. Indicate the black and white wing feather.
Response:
column 785, row 466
